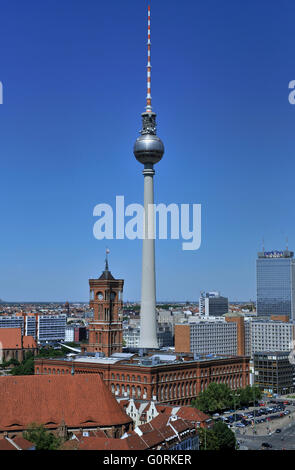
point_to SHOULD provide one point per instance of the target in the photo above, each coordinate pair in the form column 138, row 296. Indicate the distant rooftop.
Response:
column 152, row 360
column 275, row 254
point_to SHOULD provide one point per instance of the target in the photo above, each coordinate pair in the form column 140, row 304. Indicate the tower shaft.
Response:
column 148, row 322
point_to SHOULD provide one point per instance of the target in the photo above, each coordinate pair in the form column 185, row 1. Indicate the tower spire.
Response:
column 107, row 260
column 149, row 67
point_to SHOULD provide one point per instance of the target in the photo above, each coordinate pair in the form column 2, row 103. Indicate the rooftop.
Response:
column 78, row 400
column 154, row 359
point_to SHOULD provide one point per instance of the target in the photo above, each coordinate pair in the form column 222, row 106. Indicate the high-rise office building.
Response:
column 212, row 303
column 273, row 372
column 275, row 277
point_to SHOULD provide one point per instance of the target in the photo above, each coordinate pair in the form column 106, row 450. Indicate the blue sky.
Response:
column 74, row 80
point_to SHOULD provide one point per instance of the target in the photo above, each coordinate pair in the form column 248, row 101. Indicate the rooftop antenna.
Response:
column 263, row 249
column 287, row 244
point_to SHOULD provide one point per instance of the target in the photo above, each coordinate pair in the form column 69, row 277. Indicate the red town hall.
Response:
column 106, row 330
column 165, row 378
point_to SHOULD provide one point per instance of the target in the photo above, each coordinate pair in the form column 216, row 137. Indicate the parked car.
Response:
column 266, row 444
column 240, row 425
column 278, row 430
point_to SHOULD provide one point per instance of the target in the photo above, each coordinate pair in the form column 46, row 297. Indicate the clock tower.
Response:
column 106, row 329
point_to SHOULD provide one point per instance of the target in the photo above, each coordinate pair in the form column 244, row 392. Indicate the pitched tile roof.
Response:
column 187, row 412
column 80, row 400
column 100, row 443
column 29, row 342
column 157, row 434
column 22, row 443
column 153, row 438
column 192, row 414
column 6, row 445
column 11, row 338
column 18, row 443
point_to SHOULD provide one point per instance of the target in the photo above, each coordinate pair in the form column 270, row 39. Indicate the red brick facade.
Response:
column 105, row 331
column 174, row 383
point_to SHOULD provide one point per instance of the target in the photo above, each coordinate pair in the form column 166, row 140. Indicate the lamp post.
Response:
column 254, row 409
column 235, row 406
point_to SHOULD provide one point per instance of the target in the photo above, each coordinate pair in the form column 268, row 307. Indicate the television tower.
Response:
column 148, row 150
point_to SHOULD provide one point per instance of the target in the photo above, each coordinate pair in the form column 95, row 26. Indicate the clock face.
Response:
column 113, row 295
column 100, row 296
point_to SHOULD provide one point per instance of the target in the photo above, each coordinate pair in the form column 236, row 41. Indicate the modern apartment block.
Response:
column 43, row 328
column 51, row 328
column 271, row 335
column 75, row 333
column 234, row 335
column 212, row 304
column 164, row 334
column 275, row 277
column 12, row 321
column 207, row 337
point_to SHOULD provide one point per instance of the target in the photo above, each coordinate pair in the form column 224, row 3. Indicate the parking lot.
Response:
column 269, row 418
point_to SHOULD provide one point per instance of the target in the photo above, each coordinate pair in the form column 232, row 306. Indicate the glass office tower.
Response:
column 275, row 275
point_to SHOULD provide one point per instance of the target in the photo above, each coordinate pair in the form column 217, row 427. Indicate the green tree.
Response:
column 207, row 439
column 10, row 362
column 26, row 367
column 224, row 436
column 44, row 440
column 216, row 397
column 219, row 397
column 219, row 437
column 51, row 352
column 249, row 395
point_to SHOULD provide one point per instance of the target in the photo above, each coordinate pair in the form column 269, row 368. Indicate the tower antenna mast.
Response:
column 149, row 66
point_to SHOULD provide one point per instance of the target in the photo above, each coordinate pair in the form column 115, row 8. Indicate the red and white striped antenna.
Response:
column 149, row 67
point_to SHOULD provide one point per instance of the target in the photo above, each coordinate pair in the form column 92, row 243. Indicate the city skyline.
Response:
column 67, row 131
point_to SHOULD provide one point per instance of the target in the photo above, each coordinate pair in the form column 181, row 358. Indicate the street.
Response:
column 284, row 440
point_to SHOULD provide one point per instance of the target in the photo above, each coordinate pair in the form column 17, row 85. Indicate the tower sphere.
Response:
column 148, row 148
